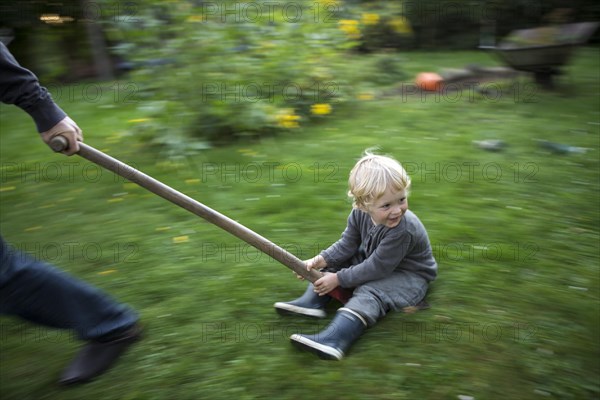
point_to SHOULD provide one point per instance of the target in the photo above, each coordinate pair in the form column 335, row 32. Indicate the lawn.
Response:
column 515, row 310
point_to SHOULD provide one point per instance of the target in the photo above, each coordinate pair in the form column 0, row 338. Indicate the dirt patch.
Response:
column 473, row 79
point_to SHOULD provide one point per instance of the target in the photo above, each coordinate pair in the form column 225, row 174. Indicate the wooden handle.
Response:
column 201, row 210
column 59, row 143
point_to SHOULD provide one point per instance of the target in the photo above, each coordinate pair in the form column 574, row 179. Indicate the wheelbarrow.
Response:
column 59, row 143
column 543, row 51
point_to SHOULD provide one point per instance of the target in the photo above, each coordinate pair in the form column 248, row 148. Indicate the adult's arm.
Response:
column 21, row 87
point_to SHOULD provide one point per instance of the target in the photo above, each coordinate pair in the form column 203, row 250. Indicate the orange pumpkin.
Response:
column 429, row 81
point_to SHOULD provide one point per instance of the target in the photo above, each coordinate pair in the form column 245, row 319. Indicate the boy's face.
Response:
column 389, row 208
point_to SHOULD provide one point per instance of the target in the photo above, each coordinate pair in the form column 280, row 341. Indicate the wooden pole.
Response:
column 235, row 228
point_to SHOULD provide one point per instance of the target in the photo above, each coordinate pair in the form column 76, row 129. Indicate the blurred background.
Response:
column 259, row 109
column 185, row 56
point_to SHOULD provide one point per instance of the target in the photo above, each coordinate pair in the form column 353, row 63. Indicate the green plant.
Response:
column 230, row 72
column 515, row 234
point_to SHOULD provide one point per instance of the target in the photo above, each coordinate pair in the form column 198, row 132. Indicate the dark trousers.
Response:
column 40, row 293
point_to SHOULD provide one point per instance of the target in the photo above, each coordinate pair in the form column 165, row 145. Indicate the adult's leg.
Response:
column 40, row 293
column 37, row 292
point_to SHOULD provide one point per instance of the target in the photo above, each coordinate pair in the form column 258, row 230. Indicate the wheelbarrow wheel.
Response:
column 545, row 78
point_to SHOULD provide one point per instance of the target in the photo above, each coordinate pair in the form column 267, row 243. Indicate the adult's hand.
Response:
column 69, row 130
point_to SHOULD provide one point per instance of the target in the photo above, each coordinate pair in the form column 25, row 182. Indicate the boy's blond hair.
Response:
column 372, row 176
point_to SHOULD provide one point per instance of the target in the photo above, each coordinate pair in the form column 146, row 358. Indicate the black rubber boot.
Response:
column 309, row 304
column 336, row 339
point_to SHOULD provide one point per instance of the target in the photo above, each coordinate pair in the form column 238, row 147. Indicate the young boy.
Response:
column 384, row 254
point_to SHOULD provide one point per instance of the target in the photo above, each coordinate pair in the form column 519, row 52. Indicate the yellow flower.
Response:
column 350, row 28
column 400, row 25
column 320, row 109
column 287, row 119
column 366, row 96
column 370, row 18
column 108, row 271
column 329, row 2
column 195, row 18
column 181, row 239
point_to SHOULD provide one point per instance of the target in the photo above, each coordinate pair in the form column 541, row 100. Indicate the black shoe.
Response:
column 97, row 356
column 309, row 304
column 333, row 342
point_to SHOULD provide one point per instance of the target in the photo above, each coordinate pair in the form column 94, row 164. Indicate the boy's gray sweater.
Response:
column 404, row 247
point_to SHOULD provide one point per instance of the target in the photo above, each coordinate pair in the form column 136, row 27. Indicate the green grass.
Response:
column 515, row 311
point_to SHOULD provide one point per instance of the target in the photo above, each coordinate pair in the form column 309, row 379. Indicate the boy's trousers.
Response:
column 375, row 299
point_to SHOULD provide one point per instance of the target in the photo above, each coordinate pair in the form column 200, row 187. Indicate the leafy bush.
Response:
column 227, row 70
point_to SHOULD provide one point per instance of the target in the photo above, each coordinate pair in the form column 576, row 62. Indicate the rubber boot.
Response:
column 309, row 304
column 336, row 339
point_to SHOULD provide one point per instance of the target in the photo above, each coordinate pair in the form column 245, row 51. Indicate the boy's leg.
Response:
column 375, row 299
column 334, row 341
column 309, row 304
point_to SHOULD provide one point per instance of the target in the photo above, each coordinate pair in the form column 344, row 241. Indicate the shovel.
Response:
column 59, row 143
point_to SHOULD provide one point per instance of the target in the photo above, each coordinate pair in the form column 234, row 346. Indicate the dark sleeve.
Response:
column 20, row 87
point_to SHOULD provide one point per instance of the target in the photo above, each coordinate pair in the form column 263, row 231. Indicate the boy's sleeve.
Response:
column 346, row 246
column 381, row 263
column 20, row 87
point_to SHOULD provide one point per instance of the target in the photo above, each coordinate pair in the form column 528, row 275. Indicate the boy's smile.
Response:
column 389, row 208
